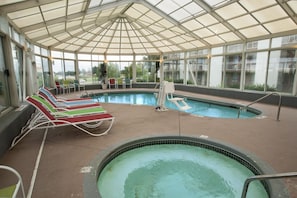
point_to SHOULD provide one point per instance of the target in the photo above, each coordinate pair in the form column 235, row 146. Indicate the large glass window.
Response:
column 46, row 71
column 39, row 71
column 197, row 71
column 4, row 93
column 216, row 71
column 87, row 74
column 146, row 71
column 58, row 69
column 255, row 70
column 281, row 71
column 69, row 70
column 233, row 71
column 17, row 55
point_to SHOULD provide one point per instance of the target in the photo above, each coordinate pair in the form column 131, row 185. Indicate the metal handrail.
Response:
column 273, row 93
column 264, row 177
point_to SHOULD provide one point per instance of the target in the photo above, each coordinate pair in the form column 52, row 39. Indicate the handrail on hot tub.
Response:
column 264, row 177
column 269, row 94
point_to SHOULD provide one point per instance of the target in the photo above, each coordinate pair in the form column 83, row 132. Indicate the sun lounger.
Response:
column 43, row 119
column 68, row 103
column 12, row 191
column 62, row 112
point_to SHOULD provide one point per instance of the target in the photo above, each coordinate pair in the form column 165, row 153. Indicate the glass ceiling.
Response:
column 148, row 26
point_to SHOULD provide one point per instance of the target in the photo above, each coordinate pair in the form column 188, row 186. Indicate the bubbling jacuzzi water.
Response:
column 175, row 170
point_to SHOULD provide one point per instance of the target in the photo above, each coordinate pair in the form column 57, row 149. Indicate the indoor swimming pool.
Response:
column 198, row 107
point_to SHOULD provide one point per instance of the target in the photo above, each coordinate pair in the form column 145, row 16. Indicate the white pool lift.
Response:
column 166, row 91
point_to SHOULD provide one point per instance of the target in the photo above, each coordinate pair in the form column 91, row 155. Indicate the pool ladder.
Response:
column 270, row 94
column 264, row 177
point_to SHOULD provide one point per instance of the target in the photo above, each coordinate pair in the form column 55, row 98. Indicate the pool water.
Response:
column 174, row 171
column 199, row 108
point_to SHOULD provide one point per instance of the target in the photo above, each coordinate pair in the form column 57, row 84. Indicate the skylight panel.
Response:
column 23, row 13
column 72, row 48
column 252, row 5
column 105, row 13
column 72, row 24
column 270, row 14
column 243, row 21
column 178, row 39
column 187, row 46
column 177, row 30
column 218, row 28
column 192, row 25
column 165, row 49
column 62, row 45
column 293, row 6
column 37, row 33
column 53, row 6
column 133, row 13
column 175, row 48
column 48, row 41
column 146, row 19
column 197, row 43
column 168, row 6
column 231, row 11
column 215, row 3
column 92, row 44
column 180, row 14
column 254, row 31
column 86, row 49
column 76, row 8
column 203, row 32
column 207, row 20
column 165, row 23
column 167, row 34
column 62, row 36
column 94, row 3
column 194, row 8
column 157, row 28
column 28, row 20
column 75, row 31
column 152, row 50
column 140, row 51
column 107, row 1
column 141, row 8
column 214, row 40
column 229, row 37
column 281, row 26
column 53, row 14
column 10, row 2
column 153, row 2
column 147, row 45
column 153, row 15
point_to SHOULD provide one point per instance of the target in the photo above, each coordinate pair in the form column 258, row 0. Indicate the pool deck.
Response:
column 59, row 169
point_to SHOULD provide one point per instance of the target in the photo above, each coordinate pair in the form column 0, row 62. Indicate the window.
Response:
column 4, row 93
column 58, row 69
column 86, row 73
column 197, row 71
column 216, row 71
column 281, row 71
column 233, row 71
column 255, row 70
column 17, row 55
column 39, row 71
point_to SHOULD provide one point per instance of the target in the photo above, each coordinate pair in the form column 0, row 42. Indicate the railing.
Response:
column 264, row 177
column 270, row 94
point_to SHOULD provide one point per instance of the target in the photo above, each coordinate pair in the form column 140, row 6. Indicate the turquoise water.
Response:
column 197, row 107
column 175, row 171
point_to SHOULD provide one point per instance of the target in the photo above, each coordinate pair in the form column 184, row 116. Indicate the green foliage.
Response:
column 259, row 87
